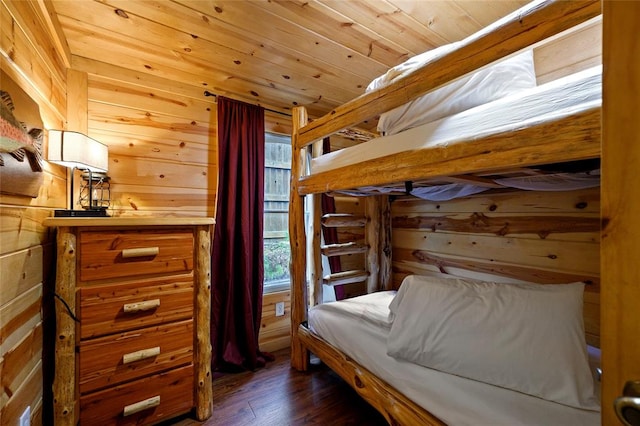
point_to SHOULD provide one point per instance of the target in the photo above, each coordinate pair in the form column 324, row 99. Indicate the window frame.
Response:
column 283, row 284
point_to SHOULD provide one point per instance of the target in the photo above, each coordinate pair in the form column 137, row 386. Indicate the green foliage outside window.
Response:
column 276, row 260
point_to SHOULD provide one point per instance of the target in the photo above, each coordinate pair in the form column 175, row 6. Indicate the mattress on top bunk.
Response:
column 549, row 102
column 494, row 81
column 360, row 327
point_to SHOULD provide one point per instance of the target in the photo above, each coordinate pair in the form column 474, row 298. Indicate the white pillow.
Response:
column 524, row 337
column 489, row 83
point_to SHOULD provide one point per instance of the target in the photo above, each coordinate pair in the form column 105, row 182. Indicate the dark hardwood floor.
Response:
column 279, row 395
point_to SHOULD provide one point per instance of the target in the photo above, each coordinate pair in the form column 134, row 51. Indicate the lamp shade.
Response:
column 73, row 149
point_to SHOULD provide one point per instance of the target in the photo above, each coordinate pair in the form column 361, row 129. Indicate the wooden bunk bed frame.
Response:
column 579, row 140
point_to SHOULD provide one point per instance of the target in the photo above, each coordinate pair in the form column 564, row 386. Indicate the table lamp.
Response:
column 80, row 152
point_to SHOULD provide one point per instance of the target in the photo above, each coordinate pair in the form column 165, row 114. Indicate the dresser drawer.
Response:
column 115, row 254
column 127, row 356
column 113, row 308
column 143, row 401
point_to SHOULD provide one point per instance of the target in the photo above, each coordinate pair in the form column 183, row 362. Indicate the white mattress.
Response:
column 546, row 103
column 359, row 327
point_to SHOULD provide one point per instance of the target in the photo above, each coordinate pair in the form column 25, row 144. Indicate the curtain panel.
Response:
column 237, row 258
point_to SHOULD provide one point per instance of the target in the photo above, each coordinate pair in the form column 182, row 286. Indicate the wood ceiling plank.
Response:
column 485, row 14
column 389, row 22
column 330, row 23
column 93, row 42
column 301, row 28
column 140, row 56
column 267, row 37
column 228, row 52
column 444, row 18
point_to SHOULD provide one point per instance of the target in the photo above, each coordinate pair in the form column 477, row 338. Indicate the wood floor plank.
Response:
column 278, row 395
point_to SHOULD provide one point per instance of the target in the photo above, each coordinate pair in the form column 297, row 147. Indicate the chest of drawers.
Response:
column 132, row 320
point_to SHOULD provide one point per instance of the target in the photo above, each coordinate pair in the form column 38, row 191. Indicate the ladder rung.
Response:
column 343, row 249
column 347, row 277
column 341, row 220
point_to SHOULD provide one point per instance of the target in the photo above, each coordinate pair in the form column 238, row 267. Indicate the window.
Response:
column 277, row 252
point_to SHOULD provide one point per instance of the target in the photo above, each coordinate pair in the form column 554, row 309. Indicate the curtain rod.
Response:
column 208, row 93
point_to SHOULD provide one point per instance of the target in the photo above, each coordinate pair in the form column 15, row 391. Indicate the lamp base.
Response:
column 81, row 213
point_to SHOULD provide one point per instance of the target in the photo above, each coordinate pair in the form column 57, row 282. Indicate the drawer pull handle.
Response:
column 154, row 401
column 140, row 252
column 147, row 305
column 140, row 355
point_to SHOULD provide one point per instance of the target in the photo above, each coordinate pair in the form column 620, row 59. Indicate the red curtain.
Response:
column 237, row 271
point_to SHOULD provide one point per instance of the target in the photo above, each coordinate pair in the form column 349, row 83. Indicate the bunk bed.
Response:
column 454, row 148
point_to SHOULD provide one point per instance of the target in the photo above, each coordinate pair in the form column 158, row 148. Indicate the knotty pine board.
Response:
column 169, row 147
column 29, row 393
column 21, row 271
column 275, row 332
column 20, row 361
column 51, row 89
column 133, row 120
column 36, row 65
column 21, row 228
column 575, row 51
column 554, row 252
column 153, row 100
column 42, row 43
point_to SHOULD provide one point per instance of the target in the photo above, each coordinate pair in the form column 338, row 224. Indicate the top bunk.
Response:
column 553, row 127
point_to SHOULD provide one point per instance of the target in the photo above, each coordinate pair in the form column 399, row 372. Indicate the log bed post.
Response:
column 298, row 242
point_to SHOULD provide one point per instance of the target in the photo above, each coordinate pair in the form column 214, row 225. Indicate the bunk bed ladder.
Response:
column 375, row 248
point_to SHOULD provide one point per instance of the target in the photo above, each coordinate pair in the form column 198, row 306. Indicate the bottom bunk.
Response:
column 353, row 337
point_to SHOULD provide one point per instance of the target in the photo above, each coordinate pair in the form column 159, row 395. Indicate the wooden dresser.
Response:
column 132, row 320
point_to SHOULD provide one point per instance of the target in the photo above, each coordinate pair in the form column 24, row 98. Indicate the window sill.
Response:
column 276, row 286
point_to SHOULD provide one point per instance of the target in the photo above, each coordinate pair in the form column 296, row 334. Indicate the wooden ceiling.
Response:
column 317, row 53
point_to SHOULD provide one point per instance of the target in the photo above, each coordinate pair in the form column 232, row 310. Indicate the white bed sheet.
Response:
column 552, row 101
column 453, row 399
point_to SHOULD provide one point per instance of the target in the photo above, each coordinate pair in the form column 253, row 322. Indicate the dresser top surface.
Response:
column 128, row 221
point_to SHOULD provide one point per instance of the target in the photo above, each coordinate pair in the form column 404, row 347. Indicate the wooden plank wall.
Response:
column 275, row 332
column 544, row 237
column 32, row 58
column 161, row 137
column 162, row 142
